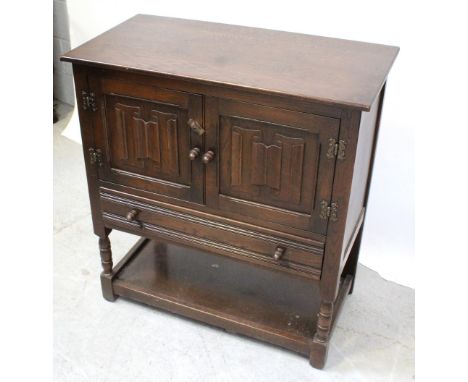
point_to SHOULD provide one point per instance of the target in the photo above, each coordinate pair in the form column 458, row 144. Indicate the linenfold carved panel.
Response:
column 150, row 143
column 143, row 134
column 277, row 166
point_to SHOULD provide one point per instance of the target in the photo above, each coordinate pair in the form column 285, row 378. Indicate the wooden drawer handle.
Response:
column 208, row 156
column 195, row 127
column 194, row 153
column 279, row 252
column 132, row 215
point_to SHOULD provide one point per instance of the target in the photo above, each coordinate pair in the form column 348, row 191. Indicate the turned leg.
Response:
column 106, row 254
column 319, row 344
column 106, row 261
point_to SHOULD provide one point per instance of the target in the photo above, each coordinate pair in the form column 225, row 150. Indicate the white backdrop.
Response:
column 388, row 242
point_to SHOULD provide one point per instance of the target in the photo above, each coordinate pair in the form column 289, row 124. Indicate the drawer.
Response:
column 154, row 220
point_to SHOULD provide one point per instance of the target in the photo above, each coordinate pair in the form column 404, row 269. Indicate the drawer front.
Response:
column 145, row 136
column 272, row 164
column 153, row 220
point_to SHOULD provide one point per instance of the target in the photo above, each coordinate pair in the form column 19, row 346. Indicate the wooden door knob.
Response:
column 194, row 153
column 208, row 156
column 195, row 127
column 131, row 216
column 279, row 252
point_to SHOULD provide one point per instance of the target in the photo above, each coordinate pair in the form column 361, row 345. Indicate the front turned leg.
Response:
column 106, row 261
column 320, row 342
column 106, row 254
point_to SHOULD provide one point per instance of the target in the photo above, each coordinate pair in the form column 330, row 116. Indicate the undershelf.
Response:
column 224, row 292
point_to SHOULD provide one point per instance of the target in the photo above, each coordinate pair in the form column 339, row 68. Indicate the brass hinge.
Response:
column 89, row 100
column 329, row 211
column 95, row 156
column 336, row 149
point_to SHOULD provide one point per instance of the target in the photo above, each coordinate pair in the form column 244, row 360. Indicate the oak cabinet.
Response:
column 242, row 157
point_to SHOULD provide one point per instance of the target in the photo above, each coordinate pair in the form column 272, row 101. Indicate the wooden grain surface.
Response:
column 326, row 70
column 231, row 294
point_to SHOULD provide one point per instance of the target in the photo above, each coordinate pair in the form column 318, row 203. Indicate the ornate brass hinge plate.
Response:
column 329, row 211
column 336, row 149
column 95, row 157
column 88, row 100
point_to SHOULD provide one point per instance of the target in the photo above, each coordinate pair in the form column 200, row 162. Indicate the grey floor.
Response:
column 95, row 340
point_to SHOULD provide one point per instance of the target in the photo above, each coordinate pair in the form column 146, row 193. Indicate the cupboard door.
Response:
column 144, row 134
column 271, row 164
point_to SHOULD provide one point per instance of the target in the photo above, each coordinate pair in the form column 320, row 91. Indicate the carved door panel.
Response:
column 271, row 164
column 145, row 139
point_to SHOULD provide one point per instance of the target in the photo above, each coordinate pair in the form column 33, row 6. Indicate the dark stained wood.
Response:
column 350, row 263
column 268, row 61
column 352, row 239
column 350, row 266
column 106, row 254
column 208, row 156
column 215, row 216
column 340, row 195
column 106, row 261
column 194, row 153
column 244, row 158
column 246, row 299
column 145, row 139
column 218, row 91
column 327, row 316
column 361, row 169
column 263, row 154
column 331, row 277
column 233, row 240
column 80, row 75
column 243, row 299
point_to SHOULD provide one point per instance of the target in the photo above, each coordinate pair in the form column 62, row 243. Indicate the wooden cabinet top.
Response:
column 326, row 70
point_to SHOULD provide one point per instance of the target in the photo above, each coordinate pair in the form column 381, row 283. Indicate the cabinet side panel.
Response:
column 330, row 280
column 80, row 75
column 362, row 165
